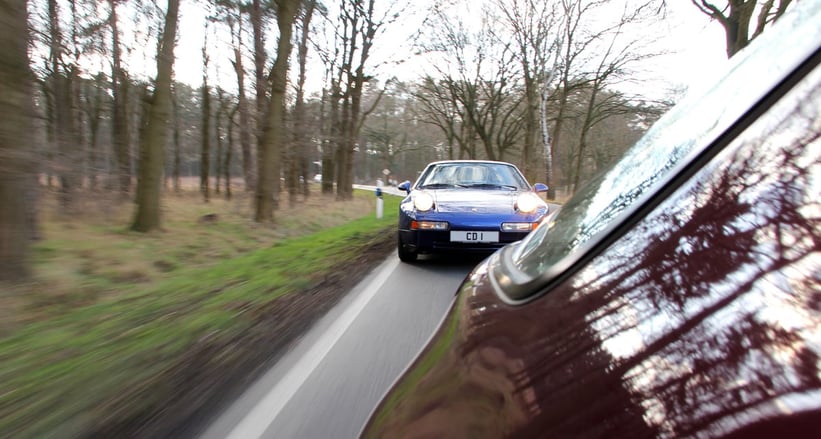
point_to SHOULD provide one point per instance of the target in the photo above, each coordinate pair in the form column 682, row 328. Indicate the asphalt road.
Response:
column 327, row 386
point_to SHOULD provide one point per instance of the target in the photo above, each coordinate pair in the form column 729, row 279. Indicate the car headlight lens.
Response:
column 528, row 202
column 423, row 201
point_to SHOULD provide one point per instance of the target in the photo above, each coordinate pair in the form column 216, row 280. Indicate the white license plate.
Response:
column 479, row 236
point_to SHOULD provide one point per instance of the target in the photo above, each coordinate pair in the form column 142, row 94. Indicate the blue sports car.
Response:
column 467, row 205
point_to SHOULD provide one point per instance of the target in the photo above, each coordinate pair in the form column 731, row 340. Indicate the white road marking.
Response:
column 254, row 424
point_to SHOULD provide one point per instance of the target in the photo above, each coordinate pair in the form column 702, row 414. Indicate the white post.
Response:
column 380, row 203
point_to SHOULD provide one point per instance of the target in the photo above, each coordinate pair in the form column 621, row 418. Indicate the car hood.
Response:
column 474, row 201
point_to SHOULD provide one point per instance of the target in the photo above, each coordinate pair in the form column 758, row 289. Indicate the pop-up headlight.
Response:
column 423, row 201
column 528, row 202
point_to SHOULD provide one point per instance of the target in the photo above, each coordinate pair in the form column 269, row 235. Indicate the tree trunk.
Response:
column 248, row 173
column 51, row 134
column 300, row 165
column 359, row 30
column 586, row 124
column 120, row 133
column 227, row 164
column 65, row 127
column 344, row 154
column 300, row 135
column 175, row 171
column 218, row 155
column 15, row 141
column 331, row 140
column 531, row 126
column 271, row 146
column 736, row 18
column 205, row 142
column 260, row 82
column 156, row 133
column 557, row 134
column 94, row 104
column 229, row 153
column 222, row 116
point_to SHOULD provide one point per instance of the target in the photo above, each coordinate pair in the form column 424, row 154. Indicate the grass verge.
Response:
column 119, row 329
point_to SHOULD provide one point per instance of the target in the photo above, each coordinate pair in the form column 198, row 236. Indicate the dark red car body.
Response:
column 690, row 306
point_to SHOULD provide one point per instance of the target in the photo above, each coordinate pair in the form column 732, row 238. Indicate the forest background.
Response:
column 294, row 91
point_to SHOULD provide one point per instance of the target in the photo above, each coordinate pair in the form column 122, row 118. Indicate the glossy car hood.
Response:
column 474, row 201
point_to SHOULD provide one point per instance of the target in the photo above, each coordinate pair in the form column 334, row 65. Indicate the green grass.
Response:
column 86, row 354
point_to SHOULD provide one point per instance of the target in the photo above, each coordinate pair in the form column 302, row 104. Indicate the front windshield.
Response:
column 472, row 175
column 666, row 148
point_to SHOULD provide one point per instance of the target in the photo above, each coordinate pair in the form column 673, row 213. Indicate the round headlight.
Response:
column 528, row 202
column 423, row 201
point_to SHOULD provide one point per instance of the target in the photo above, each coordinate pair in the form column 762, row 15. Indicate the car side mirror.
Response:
column 540, row 187
column 406, row 185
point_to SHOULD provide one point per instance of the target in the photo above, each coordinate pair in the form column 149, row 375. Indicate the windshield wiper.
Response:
column 491, row 186
column 436, row 186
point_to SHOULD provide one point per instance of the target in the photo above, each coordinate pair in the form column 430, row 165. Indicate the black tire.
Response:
column 405, row 255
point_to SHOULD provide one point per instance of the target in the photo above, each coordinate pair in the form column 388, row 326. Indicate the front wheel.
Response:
column 404, row 254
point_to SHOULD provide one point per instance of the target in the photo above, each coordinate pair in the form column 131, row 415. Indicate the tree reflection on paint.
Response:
column 708, row 312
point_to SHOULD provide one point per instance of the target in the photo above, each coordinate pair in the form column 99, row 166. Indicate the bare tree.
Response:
column 478, row 86
column 63, row 77
column 229, row 152
column 205, row 140
column 152, row 146
column 327, row 114
column 175, row 170
column 120, row 132
column 358, row 25
column 248, row 171
column 231, row 13
column 613, row 65
column 299, row 158
column 736, row 17
column 16, row 172
column 258, row 12
column 439, row 110
column 74, row 33
column 534, row 32
column 224, row 142
column 571, row 47
column 93, row 107
column 585, row 41
column 515, row 80
column 392, row 133
column 272, row 134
